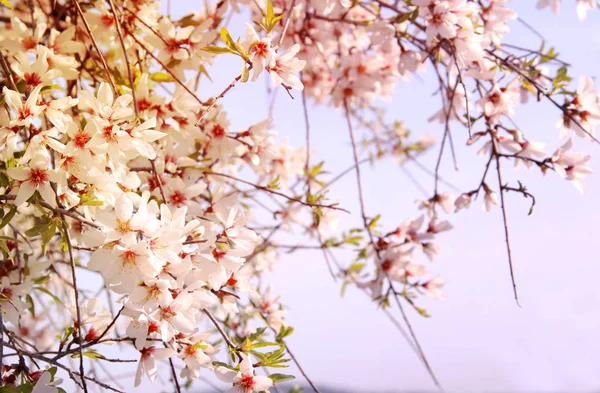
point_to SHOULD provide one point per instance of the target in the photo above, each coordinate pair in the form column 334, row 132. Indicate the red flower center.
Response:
column 37, row 177
column 32, row 79
column 81, row 139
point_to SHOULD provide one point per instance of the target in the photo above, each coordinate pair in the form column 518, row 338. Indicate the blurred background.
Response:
column 478, row 339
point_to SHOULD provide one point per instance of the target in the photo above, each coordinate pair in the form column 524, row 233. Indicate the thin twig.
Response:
column 460, row 79
column 75, row 289
column 102, row 59
column 71, row 213
column 333, row 207
column 129, row 71
column 174, row 375
column 287, row 22
column 7, row 72
column 310, row 382
column 204, row 112
column 506, row 235
column 158, row 181
column 223, row 334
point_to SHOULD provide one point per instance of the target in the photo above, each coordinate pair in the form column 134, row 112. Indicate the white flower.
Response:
column 147, row 363
column 491, row 198
column 245, row 381
column 25, row 113
column 43, row 384
column 283, row 68
column 463, row 202
column 36, row 177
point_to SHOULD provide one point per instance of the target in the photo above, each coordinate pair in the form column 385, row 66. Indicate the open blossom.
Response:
column 442, row 21
column 246, row 380
column 35, row 177
column 147, row 363
column 463, row 202
column 432, row 287
column 44, row 384
column 261, row 48
column 104, row 104
column 27, row 111
column 285, row 67
column 571, row 166
column 583, row 112
column 490, row 199
column 499, row 101
column 583, row 6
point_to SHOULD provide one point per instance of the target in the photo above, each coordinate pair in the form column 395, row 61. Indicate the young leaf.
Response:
column 226, row 37
column 161, row 77
column 281, row 377
column 7, row 3
column 216, row 49
column 9, row 216
column 245, row 74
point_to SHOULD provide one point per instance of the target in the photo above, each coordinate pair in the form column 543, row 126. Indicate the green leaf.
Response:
column 202, row 70
column 216, row 50
column 188, row 20
column 343, row 289
column 245, row 74
column 7, row 3
column 284, row 332
column 354, row 240
column 9, row 216
column 274, row 184
column 270, row 20
column 32, row 307
column 38, row 229
column 263, row 344
column 91, row 202
column 47, row 292
column 5, row 249
column 88, row 199
column 52, row 371
column 48, row 235
column 373, row 222
column 161, row 77
column 281, row 377
column 257, row 334
column 226, row 37
column 92, row 354
column 270, row 12
column 26, row 388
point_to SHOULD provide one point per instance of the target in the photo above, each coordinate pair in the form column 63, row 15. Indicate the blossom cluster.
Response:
column 113, row 166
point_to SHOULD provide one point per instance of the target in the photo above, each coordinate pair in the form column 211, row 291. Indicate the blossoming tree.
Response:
column 133, row 214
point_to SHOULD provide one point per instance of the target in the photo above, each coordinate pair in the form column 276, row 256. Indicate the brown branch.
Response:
column 102, row 59
column 7, row 72
column 158, row 181
column 506, row 235
column 71, row 213
column 313, row 205
column 223, row 334
column 204, row 112
column 75, row 289
column 174, row 375
column 129, row 71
